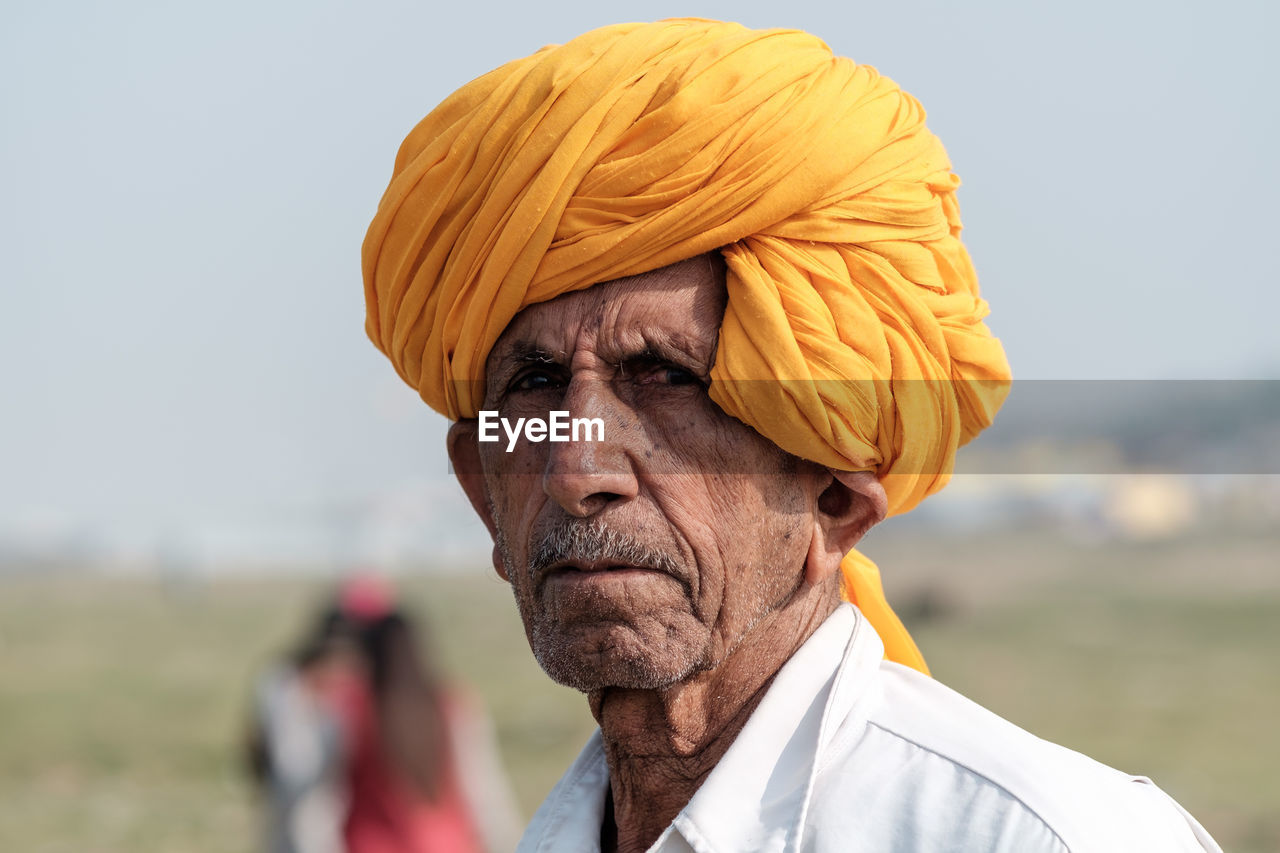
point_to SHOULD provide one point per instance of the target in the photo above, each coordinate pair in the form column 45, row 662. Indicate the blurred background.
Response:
column 197, row 439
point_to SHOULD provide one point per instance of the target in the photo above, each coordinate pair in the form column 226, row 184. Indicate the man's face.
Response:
column 643, row 558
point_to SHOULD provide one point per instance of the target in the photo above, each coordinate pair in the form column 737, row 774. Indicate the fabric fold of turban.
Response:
column 854, row 331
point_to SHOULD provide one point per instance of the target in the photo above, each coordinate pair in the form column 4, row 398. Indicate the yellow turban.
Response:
column 638, row 145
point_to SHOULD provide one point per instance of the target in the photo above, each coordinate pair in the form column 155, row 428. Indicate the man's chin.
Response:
column 590, row 658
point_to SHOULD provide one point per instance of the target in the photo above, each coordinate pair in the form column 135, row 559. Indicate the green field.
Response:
column 122, row 700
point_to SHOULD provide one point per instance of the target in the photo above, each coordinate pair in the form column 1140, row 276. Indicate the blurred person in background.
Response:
column 297, row 750
column 403, row 762
column 423, row 771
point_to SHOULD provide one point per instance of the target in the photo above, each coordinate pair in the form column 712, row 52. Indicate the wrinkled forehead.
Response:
column 676, row 308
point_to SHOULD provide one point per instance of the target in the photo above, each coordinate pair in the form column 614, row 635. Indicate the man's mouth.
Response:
column 591, row 556
column 584, row 575
column 588, row 568
column 594, row 566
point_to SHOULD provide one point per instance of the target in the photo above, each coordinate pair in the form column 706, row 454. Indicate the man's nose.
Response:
column 586, row 475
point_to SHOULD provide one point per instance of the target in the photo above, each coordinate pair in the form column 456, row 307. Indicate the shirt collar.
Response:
column 758, row 794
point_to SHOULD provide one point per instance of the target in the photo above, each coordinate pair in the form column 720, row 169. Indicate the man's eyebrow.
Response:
column 675, row 347
column 511, row 358
column 528, row 351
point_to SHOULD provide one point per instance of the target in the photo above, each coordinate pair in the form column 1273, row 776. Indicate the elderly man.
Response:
column 734, row 259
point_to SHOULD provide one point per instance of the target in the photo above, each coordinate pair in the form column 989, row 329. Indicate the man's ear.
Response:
column 464, row 456
column 850, row 505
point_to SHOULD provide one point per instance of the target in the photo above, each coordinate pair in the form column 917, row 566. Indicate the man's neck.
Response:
column 662, row 744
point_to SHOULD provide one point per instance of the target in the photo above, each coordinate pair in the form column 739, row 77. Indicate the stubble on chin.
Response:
column 591, row 658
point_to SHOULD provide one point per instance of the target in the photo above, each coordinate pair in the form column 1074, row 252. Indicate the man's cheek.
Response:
column 500, row 463
column 513, row 493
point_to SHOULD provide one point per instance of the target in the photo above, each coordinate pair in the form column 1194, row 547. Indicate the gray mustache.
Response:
column 590, row 542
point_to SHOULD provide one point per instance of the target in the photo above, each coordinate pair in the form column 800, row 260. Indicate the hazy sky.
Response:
column 185, row 187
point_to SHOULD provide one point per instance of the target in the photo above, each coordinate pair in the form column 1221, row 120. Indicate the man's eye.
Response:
column 667, row 374
column 678, row 376
column 533, row 380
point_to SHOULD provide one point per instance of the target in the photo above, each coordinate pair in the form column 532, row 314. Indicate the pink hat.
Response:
column 365, row 597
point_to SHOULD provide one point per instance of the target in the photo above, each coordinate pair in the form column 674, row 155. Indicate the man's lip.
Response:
column 584, row 569
column 570, row 568
column 594, row 566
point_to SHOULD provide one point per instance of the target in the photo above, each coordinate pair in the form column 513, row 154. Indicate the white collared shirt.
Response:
column 849, row 752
